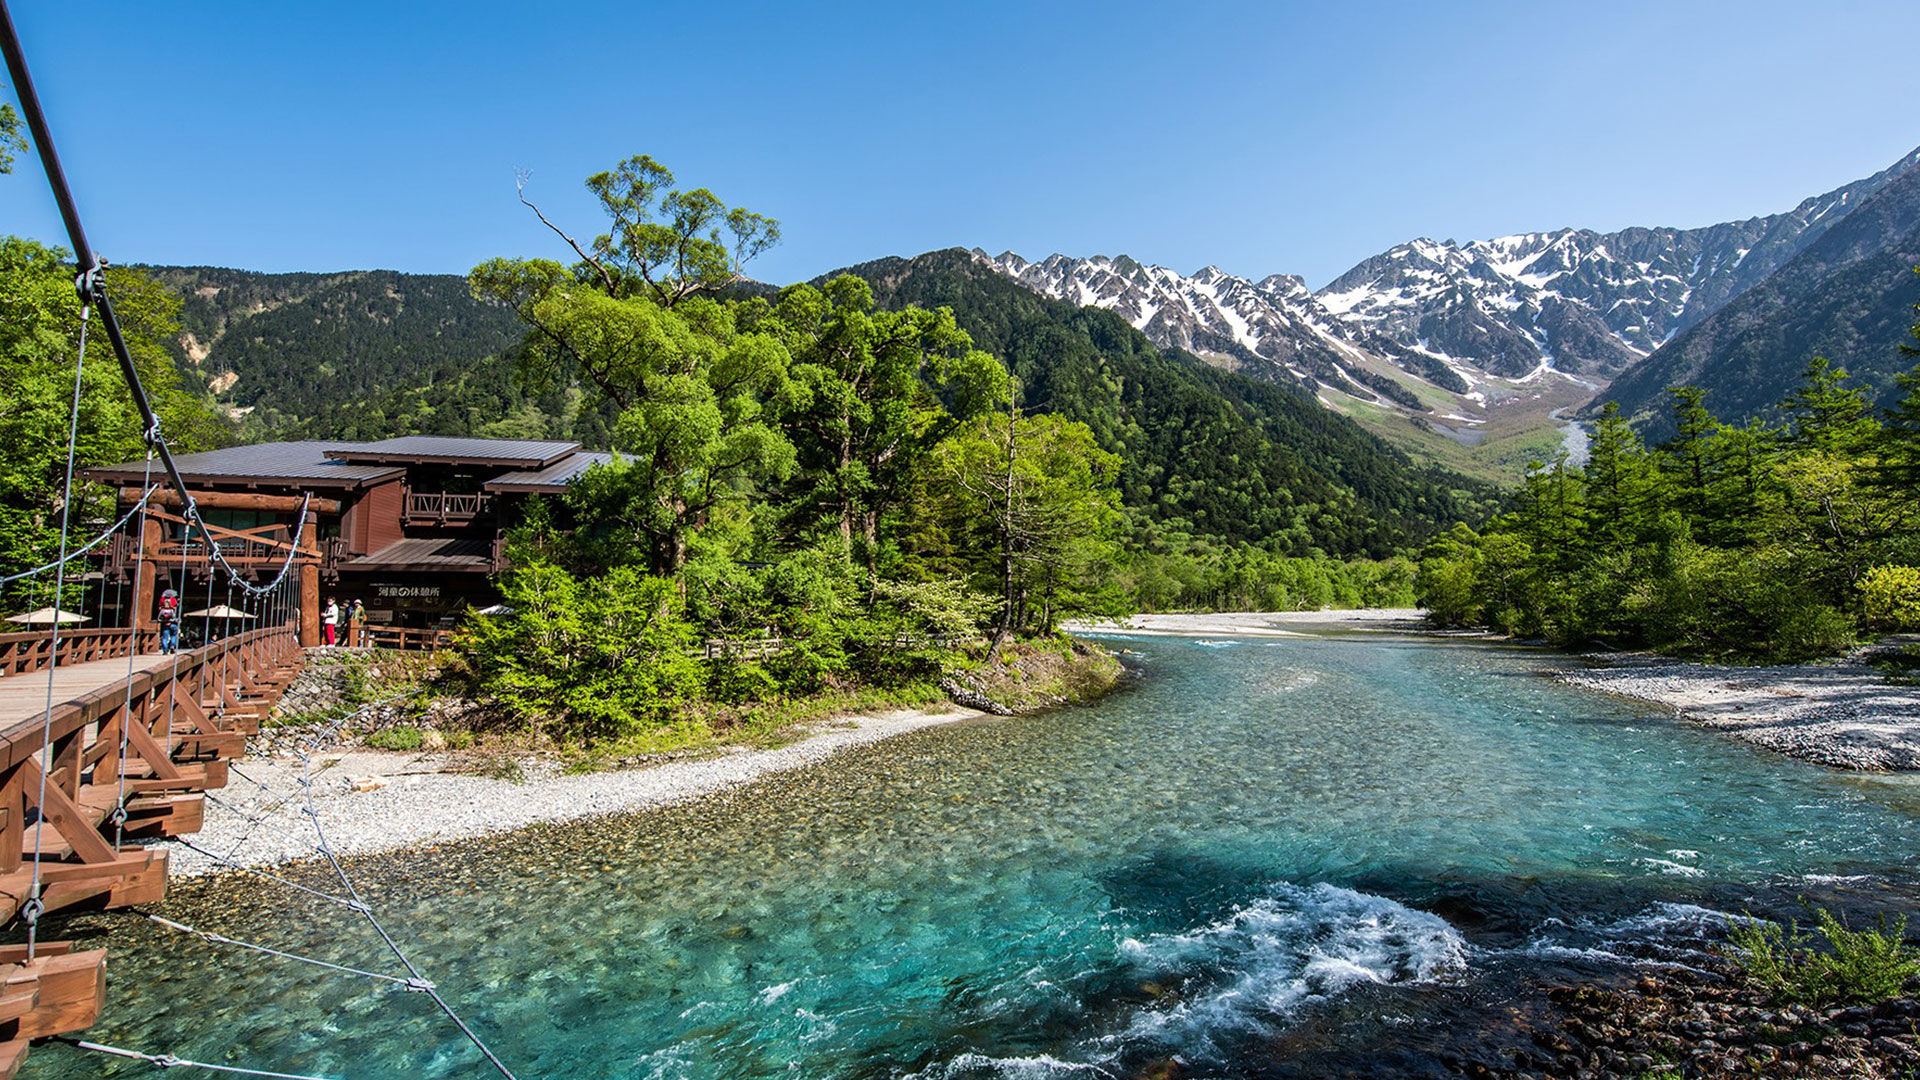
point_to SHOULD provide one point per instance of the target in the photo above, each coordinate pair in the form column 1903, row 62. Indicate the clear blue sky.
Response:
column 1260, row 137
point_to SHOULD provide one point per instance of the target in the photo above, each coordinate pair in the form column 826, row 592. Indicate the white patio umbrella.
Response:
column 218, row 611
column 47, row 616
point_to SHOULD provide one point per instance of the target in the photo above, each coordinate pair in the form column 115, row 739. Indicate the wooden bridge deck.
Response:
column 25, row 695
column 120, row 762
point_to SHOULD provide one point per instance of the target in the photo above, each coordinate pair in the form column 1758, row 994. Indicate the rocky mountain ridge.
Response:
column 1575, row 302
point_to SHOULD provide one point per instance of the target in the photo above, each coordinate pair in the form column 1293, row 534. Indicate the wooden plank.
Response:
column 232, row 500
column 17, row 954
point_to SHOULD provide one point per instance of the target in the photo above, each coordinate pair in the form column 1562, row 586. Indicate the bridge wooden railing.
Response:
column 181, row 723
column 34, row 650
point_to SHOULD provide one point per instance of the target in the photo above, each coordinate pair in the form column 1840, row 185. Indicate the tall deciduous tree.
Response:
column 869, row 395
column 637, row 320
column 39, row 331
column 1044, row 494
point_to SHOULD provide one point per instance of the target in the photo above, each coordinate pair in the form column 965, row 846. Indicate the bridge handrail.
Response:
column 30, row 650
column 23, row 739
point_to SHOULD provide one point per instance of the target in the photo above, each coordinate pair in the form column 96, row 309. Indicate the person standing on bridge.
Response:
column 169, row 621
column 330, row 621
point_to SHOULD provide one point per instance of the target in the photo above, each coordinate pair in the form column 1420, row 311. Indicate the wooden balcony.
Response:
column 444, row 508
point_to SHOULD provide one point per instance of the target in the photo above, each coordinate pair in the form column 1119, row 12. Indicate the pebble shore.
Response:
column 1844, row 715
column 371, row 801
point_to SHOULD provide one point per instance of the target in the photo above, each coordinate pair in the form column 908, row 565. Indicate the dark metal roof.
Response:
column 427, row 554
column 446, row 450
column 307, row 462
column 552, row 479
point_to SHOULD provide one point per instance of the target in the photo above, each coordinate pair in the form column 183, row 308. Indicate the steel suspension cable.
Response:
column 136, row 508
column 416, row 985
column 366, row 912
column 119, row 814
column 31, row 910
column 168, row 1061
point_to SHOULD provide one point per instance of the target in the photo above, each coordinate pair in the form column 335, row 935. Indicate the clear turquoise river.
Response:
column 1314, row 856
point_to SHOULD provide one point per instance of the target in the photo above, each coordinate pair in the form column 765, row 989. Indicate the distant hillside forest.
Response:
column 1209, row 457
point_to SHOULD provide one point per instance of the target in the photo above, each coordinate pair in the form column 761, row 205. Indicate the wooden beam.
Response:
column 233, row 500
column 66, row 818
column 70, row 990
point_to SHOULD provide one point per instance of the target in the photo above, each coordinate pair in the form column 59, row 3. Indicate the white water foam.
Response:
column 1248, row 972
column 1675, row 929
column 1671, row 868
column 1270, row 957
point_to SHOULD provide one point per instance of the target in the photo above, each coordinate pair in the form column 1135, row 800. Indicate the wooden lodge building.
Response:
column 412, row 527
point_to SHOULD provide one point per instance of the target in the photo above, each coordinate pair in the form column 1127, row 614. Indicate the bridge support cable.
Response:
column 136, row 508
column 416, row 985
column 90, row 283
column 352, row 901
column 31, row 910
column 119, row 814
column 168, row 1061
column 366, row 911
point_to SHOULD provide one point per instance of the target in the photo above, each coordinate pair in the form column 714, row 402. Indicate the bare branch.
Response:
column 520, row 189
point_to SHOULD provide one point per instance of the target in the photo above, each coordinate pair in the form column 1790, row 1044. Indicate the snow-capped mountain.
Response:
column 1583, row 302
column 1273, row 327
column 1451, row 334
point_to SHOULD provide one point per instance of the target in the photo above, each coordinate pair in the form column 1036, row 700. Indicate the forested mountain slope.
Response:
column 1849, row 296
column 1220, row 453
column 301, row 344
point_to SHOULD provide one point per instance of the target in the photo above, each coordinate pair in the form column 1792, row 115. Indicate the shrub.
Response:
column 586, row 659
column 1890, row 597
column 1854, row 967
column 397, row 738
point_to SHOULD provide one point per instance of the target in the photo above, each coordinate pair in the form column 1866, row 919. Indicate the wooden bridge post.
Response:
column 144, row 616
column 310, row 582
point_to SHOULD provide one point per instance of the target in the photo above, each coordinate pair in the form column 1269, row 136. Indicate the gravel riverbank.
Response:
column 1845, row 715
column 371, row 801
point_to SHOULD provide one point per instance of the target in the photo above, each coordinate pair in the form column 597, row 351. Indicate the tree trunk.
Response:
column 1006, row 550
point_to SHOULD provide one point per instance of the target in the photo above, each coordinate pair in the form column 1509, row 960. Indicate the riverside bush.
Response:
column 397, row 738
column 1890, row 597
column 590, row 659
column 1855, row 967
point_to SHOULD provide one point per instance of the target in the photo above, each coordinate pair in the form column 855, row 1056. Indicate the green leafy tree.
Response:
column 1043, row 494
column 39, row 339
column 584, row 658
column 869, row 394
column 637, row 320
column 12, row 139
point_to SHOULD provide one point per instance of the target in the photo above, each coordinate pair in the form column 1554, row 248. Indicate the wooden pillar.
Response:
column 310, row 582
column 143, row 613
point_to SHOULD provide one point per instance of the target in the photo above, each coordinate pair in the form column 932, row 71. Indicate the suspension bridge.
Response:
column 110, row 747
